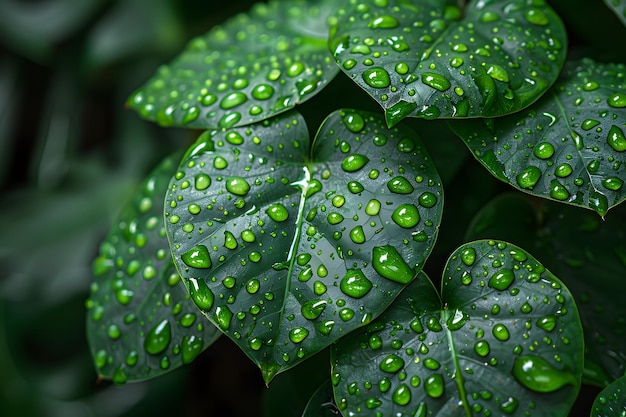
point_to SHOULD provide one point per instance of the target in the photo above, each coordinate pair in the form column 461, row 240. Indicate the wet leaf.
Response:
column 611, row 402
column 504, row 339
column 140, row 322
column 322, row 403
column 618, row 7
column 431, row 59
column 288, row 248
column 570, row 146
column 590, row 255
column 254, row 66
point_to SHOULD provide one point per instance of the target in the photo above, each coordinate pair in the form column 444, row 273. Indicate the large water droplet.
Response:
column 312, row 309
column 537, row 374
column 502, row 279
column 158, row 338
column 263, row 92
column 376, row 77
column 482, row 348
column 500, row 332
column 223, row 316
column 436, row 81
column 402, row 395
column 237, row 186
column 233, row 100
column 191, row 348
column 544, row 150
column 528, row 177
column 616, row 139
column 354, row 122
column 392, row 364
column 387, row 262
column 406, row 216
column 383, row 22
column 468, row 256
column 434, row 385
column 202, row 182
column 277, row 212
column 617, row 100
column 354, row 162
column 197, row 257
column 547, row 323
column 400, row 185
column 355, row 284
column 298, row 334
column 536, row 17
column 200, row 294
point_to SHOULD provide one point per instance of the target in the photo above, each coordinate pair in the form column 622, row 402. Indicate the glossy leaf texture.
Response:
column 503, row 339
column 619, row 8
column 588, row 253
column 322, row 403
column 431, row 59
column 254, row 66
column 288, row 248
column 140, row 321
column 611, row 402
column 569, row 146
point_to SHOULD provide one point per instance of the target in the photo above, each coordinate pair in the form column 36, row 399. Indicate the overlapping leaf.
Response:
column 140, row 321
column 322, row 403
column 618, row 7
column 288, row 248
column 255, row 66
column 504, row 339
column 588, row 253
column 611, row 402
column 569, row 146
column 432, row 59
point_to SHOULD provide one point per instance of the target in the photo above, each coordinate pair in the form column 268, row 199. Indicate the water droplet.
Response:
column 402, row 394
column 400, row 185
column 502, row 279
column 237, row 186
column 617, row 100
column 355, row 187
column 387, row 262
column 590, row 86
column 392, row 364
column 158, row 338
column 544, row 150
column 263, row 92
column 277, row 212
column 434, row 385
column 468, row 256
column 373, row 207
column 357, row 235
column 563, row 170
column 119, row 376
column 399, row 111
column 489, row 16
column 197, row 257
column 558, row 191
column 312, row 309
column 510, row 405
column 536, row 17
column 383, row 22
column 529, row 177
column 537, row 374
column 589, row 124
column 191, row 348
column 354, row 122
column 202, row 182
column 436, row 81
column 355, row 284
column 427, row 199
column 354, row 162
column 498, row 73
column 482, row 348
column 406, row 215
column 547, row 323
column 500, row 332
column 200, row 294
column 431, row 364
column 616, row 139
column 233, row 100
column 376, row 77
column 612, row 183
column 298, row 334
column 223, row 316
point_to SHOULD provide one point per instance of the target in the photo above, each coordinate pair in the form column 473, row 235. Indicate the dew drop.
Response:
column 434, row 386
column 277, row 212
column 202, row 182
column 529, row 177
column 427, row 199
column 376, row 77
column 612, row 183
column 402, row 394
column 312, row 309
column 237, row 186
column 406, row 216
column 263, row 92
column 388, row 263
column 354, row 122
column 357, row 235
column 158, row 338
column 223, row 316
column 436, row 81
column 373, row 207
column 468, row 256
column 354, row 162
column 392, row 364
column 298, row 334
column 563, row 170
column 547, row 323
column 500, row 332
column 616, row 139
column 482, row 348
column 200, row 294
column 383, row 22
column 536, row 17
column 558, row 191
column 400, row 185
column 617, row 100
column 502, row 279
column 191, row 348
column 233, row 100
column 197, row 257
column 498, row 73
column 538, row 375
column 355, row 284
column 544, row 150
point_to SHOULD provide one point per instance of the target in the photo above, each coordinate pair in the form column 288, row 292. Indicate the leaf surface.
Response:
column 618, row 7
column 504, row 339
column 590, row 255
column 256, row 65
column 611, row 402
column 288, row 248
column 431, row 59
column 570, row 146
column 140, row 321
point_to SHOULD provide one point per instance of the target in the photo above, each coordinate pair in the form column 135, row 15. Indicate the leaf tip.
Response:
column 269, row 371
column 398, row 111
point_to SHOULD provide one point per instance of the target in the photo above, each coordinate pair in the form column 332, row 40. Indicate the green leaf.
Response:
column 322, row 403
column 431, row 59
column 569, row 146
column 504, row 339
column 288, row 248
column 140, row 322
column 590, row 255
column 253, row 67
column 611, row 402
column 618, row 7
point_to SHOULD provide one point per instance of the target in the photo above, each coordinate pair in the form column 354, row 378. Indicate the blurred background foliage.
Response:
column 71, row 155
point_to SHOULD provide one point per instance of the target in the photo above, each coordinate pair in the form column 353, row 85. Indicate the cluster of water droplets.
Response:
column 254, row 66
column 431, row 62
column 569, row 146
column 499, row 339
column 286, row 252
column 140, row 320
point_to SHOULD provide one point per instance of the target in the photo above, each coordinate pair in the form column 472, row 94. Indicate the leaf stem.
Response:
column 458, row 377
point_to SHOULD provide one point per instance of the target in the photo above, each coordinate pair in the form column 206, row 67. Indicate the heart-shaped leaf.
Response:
column 505, row 339
column 590, row 255
column 611, row 402
column 254, row 66
column 569, row 146
column 431, row 59
column 288, row 248
column 140, row 322
column 618, row 7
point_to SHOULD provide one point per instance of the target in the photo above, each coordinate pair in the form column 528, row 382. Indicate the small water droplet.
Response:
column 536, row 17
column 383, row 22
column 558, row 191
column 263, row 92
column 544, row 150
column 468, row 256
column 158, row 338
column 312, row 309
column 298, row 334
column 482, row 348
column 500, row 332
